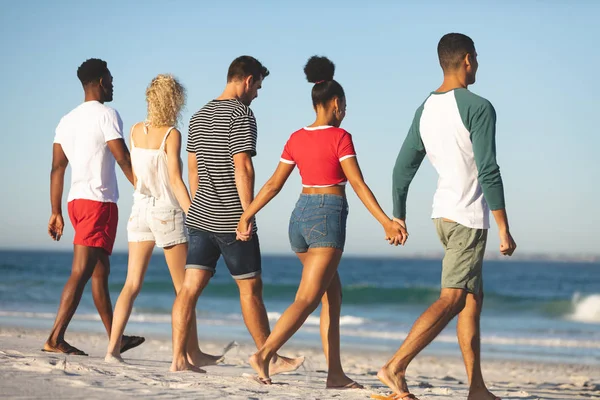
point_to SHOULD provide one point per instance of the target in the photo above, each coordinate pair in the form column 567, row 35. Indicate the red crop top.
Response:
column 318, row 152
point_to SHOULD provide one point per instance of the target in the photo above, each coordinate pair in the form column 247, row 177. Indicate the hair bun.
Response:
column 319, row 69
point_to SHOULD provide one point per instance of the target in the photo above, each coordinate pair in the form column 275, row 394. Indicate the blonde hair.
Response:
column 165, row 97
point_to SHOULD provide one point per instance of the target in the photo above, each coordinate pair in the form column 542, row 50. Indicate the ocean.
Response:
column 534, row 310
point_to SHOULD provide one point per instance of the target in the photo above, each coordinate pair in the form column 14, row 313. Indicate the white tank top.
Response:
column 151, row 171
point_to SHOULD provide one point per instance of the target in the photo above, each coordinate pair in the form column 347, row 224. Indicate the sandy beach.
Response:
column 26, row 372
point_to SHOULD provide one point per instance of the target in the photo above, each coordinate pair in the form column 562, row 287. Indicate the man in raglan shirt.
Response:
column 456, row 129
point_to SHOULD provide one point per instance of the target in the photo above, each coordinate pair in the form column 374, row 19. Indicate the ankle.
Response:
column 335, row 374
column 54, row 340
column 395, row 369
column 194, row 354
column 477, row 386
column 113, row 352
column 266, row 356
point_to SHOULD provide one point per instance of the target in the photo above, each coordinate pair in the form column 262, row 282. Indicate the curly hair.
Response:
column 165, row 97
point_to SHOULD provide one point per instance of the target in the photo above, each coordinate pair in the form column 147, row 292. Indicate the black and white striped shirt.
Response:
column 219, row 130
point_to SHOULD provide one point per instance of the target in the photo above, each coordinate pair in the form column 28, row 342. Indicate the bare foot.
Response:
column 342, row 382
column 202, row 359
column 183, row 365
column 261, row 367
column 394, row 381
column 62, row 347
column 114, row 359
column 280, row 364
column 481, row 394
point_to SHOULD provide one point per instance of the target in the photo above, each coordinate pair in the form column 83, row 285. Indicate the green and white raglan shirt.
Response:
column 457, row 131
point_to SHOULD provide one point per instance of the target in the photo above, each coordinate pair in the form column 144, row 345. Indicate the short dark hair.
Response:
column 452, row 49
column 245, row 66
column 92, row 70
column 320, row 70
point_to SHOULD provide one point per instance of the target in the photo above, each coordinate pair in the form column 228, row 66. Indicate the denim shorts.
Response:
column 319, row 220
column 152, row 221
column 205, row 249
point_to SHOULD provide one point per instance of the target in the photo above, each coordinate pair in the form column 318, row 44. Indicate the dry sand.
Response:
column 26, row 372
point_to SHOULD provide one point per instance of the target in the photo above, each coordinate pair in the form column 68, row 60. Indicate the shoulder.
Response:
column 108, row 112
column 469, row 100
column 173, row 138
column 297, row 134
column 419, row 110
column 241, row 110
column 340, row 133
column 198, row 117
column 175, row 133
column 61, row 122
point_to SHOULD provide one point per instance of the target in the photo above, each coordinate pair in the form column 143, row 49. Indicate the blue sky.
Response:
column 538, row 66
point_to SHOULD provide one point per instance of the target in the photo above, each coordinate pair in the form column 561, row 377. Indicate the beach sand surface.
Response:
column 28, row 373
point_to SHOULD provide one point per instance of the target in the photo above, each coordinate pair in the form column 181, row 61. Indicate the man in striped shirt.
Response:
column 221, row 144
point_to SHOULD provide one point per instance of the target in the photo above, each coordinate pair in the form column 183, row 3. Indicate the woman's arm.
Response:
column 173, row 149
column 266, row 194
column 395, row 234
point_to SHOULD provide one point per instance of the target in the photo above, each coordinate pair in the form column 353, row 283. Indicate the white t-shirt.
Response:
column 83, row 134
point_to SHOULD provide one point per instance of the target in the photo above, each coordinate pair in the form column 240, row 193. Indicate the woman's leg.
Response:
column 176, row 260
column 319, row 267
column 139, row 258
column 331, row 307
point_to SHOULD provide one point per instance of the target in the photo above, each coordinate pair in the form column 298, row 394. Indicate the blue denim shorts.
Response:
column 205, row 249
column 319, row 220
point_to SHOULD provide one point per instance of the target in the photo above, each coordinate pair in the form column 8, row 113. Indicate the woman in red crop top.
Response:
column 326, row 159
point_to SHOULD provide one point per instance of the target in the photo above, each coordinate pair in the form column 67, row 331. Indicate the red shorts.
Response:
column 95, row 223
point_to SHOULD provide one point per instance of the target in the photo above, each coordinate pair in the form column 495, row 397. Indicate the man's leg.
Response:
column 84, row 261
column 469, row 339
column 425, row 329
column 194, row 282
column 176, row 260
column 253, row 309
column 244, row 263
column 257, row 322
column 100, row 291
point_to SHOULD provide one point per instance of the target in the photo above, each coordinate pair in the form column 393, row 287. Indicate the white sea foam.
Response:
column 345, row 320
column 586, row 308
column 486, row 339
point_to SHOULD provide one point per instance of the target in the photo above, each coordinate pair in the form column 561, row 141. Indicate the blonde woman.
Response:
column 157, row 215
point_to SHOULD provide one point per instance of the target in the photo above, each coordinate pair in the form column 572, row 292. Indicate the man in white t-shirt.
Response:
column 90, row 138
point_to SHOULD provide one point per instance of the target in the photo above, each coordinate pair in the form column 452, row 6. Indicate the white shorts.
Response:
column 162, row 224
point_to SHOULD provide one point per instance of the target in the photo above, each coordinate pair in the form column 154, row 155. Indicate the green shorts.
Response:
column 463, row 255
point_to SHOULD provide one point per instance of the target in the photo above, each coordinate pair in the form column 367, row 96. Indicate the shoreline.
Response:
column 583, row 258
column 27, row 372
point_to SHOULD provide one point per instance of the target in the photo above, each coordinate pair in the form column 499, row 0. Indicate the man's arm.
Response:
column 407, row 164
column 242, row 144
column 483, row 137
column 193, row 174
column 57, row 180
column 121, row 153
column 244, row 177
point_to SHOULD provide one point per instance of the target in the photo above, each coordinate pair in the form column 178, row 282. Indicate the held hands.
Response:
column 56, row 226
column 244, row 230
column 395, row 232
column 507, row 243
